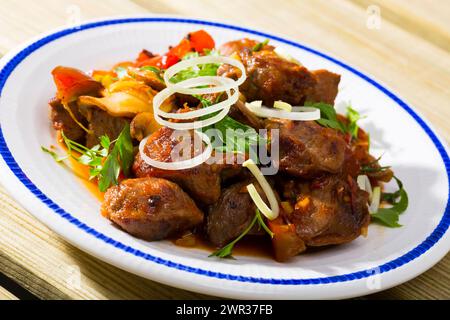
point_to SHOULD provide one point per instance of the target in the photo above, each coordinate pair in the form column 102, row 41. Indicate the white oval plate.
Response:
column 387, row 257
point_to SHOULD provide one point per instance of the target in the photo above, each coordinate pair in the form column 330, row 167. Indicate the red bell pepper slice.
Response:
column 72, row 83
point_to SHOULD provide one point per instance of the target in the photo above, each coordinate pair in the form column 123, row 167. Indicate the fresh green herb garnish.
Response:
column 103, row 165
column 155, row 70
column 54, row 155
column 369, row 168
column 243, row 136
column 260, row 45
column 353, row 117
column 389, row 216
column 209, row 69
column 328, row 116
column 226, row 251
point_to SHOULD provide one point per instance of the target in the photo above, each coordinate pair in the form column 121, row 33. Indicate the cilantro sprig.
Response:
column 208, row 69
column 227, row 251
column 329, row 118
column 399, row 201
column 104, row 165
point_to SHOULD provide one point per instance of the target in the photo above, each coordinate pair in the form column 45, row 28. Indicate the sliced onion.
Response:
column 178, row 165
column 166, row 93
column 256, row 103
column 194, row 62
column 192, row 125
column 223, row 106
column 376, row 198
column 259, row 202
column 282, row 106
column 274, row 208
column 364, row 184
column 297, row 113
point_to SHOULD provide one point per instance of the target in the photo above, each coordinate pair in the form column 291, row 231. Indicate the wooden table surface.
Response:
column 409, row 53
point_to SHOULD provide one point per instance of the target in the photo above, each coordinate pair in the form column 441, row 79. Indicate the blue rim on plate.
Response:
column 431, row 240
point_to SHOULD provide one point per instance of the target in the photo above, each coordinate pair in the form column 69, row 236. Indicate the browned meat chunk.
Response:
column 101, row 123
column 326, row 88
column 201, row 182
column 269, row 76
column 62, row 120
column 308, row 149
column 151, row 208
column 241, row 45
column 330, row 210
column 232, row 213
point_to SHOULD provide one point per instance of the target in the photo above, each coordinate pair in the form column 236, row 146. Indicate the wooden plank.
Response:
column 6, row 295
column 23, row 19
column 409, row 53
column 427, row 19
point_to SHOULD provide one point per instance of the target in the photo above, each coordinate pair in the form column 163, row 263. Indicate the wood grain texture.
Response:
column 6, row 295
column 410, row 54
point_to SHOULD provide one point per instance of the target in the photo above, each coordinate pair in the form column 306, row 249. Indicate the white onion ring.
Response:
column 178, row 165
column 297, row 113
column 190, row 86
column 173, row 70
column 274, row 208
column 192, row 125
column 167, row 92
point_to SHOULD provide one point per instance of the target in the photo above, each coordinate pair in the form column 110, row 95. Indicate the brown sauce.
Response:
column 254, row 246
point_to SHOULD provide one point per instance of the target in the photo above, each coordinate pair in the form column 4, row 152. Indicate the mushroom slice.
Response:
column 150, row 77
column 119, row 104
column 142, row 125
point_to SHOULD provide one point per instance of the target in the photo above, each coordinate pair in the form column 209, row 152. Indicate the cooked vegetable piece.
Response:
column 72, row 83
column 119, row 104
column 201, row 41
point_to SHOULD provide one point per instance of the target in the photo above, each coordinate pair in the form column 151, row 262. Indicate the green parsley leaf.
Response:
column 55, row 156
column 120, row 158
column 260, row 45
column 124, row 146
column 105, row 170
column 390, row 216
column 328, row 116
column 209, row 69
column 109, row 174
column 353, row 117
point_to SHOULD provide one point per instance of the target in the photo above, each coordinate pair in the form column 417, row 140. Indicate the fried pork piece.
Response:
column 269, row 76
column 101, row 123
column 330, row 210
column 326, row 88
column 231, row 215
column 201, row 182
column 308, row 149
column 151, row 208
column 61, row 120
